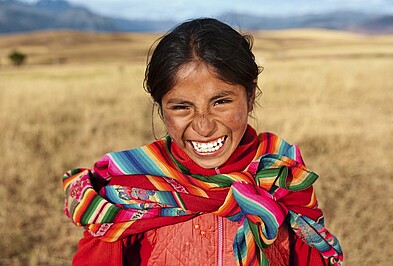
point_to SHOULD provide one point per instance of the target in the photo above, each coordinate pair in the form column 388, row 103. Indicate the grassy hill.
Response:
column 53, row 47
column 80, row 95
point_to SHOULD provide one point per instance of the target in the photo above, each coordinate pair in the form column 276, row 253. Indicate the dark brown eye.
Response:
column 222, row 101
column 180, row 107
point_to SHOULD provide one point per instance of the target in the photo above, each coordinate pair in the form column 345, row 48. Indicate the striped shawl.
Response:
column 275, row 188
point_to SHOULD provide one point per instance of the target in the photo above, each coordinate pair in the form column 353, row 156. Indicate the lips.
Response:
column 208, row 147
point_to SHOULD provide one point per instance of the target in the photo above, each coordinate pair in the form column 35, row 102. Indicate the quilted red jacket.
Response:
column 194, row 242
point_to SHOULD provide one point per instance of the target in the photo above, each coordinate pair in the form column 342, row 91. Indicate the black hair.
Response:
column 210, row 41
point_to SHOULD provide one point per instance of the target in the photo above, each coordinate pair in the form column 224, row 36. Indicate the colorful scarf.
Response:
column 156, row 190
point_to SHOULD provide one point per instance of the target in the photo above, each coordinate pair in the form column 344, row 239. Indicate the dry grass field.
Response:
column 80, row 95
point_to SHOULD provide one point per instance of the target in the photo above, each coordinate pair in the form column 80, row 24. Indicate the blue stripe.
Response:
column 136, row 162
column 284, row 147
column 126, row 163
column 166, row 197
column 249, row 207
column 290, row 153
column 150, row 166
column 111, row 195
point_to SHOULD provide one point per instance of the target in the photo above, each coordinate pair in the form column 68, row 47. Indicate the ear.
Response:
column 251, row 98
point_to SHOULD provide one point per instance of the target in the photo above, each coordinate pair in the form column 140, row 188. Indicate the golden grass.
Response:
column 329, row 92
column 51, row 47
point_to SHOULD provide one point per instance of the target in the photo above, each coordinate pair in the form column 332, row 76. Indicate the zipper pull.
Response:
column 217, row 171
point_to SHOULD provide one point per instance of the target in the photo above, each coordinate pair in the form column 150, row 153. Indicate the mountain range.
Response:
column 16, row 16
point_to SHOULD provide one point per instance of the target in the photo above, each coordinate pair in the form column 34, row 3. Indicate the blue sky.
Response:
column 185, row 9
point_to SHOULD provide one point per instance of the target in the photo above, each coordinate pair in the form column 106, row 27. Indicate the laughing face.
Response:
column 205, row 116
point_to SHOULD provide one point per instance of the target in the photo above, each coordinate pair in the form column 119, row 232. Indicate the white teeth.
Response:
column 207, row 147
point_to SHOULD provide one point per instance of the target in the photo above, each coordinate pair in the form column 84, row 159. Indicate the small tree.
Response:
column 17, row 58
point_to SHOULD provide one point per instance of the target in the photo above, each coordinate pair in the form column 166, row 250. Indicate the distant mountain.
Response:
column 343, row 20
column 18, row 16
column 56, row 7
column 379, row 25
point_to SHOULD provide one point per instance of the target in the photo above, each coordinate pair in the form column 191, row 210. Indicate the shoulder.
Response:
column 270, row 143
column 133, row 161
column 155, row 146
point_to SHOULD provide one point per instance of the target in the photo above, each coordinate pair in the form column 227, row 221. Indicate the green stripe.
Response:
column 282, row 177
column 220, row 180
column 72, row 172
column 267, row 173
column 255, row 232
column 92, row 208
column 264, row 261
column 306, row 183
column 282, row 181
column 178, row 197
column 110, row 214
column 182, row 168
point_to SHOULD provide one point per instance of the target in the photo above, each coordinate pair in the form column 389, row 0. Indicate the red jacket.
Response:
column 138, row 250
column 204, row 240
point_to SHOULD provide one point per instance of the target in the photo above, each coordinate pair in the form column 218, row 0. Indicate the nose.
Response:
column 204, row 125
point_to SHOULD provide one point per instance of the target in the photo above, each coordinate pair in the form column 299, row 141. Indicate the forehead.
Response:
column 193, row 69
column 197, row 79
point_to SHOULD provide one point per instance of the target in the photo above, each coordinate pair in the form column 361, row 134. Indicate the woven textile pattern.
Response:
column 274, row 188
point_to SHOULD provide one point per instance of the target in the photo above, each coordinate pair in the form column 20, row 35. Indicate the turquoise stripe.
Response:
column 284, row 147
column 149, row 165
column 116, row 195
column 239, row 244
column 290, row 153
column 166, row 197
column 248, row 206
column 312, row 231
column 135, row 162
column 112, row 195
column 172, row 212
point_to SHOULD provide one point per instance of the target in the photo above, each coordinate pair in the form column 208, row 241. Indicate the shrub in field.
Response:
column 17, row 58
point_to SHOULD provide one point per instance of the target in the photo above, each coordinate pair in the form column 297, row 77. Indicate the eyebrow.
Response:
column 212, row 99
column 178, row 101
column 222, row 94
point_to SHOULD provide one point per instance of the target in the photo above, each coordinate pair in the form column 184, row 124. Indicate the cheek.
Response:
column 170, row 123
column 238, row 120
column 240, row 117
column 174, row 128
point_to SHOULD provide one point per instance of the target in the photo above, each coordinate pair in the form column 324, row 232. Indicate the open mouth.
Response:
column 208, row 147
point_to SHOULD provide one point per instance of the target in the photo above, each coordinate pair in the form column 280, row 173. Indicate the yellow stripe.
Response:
column 313, row 201
column 159, row 185
column 102, row 212
column 69, row 180
column 120, row 228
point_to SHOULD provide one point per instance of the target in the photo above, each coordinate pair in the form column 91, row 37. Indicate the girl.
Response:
column 213, row 191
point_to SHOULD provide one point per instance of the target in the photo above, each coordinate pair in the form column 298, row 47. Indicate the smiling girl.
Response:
column 211, row 192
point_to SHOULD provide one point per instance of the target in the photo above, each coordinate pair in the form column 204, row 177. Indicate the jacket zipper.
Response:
column 220, row 235
column 220, row 240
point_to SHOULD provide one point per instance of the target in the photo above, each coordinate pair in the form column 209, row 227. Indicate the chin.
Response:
column 208, row 165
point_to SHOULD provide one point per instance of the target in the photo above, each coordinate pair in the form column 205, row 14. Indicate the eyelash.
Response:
column 222, row 101
column 184, row 107
column 179, row 107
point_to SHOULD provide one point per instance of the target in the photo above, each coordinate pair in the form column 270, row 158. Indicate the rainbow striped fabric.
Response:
column 157, row 190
